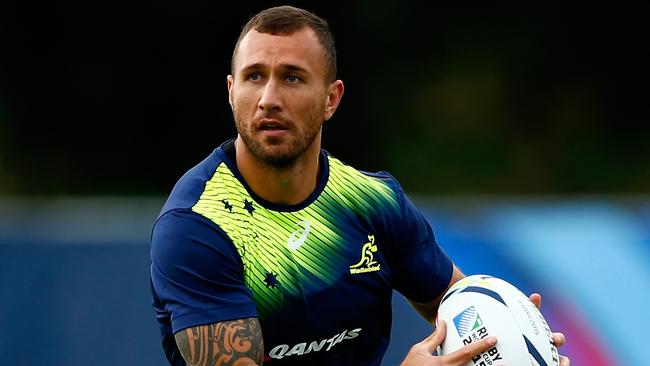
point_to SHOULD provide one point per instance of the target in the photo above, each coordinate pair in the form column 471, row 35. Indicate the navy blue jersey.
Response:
column 318, row 275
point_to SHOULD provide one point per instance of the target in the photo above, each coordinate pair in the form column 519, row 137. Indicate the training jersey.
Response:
column 318, row 275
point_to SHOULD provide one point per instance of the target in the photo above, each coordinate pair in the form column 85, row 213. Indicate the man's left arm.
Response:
column 429, row 310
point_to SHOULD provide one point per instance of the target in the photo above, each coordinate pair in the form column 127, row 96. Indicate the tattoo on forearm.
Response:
column 222, row 344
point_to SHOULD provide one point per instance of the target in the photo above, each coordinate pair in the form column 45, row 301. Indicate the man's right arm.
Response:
column 235, row 342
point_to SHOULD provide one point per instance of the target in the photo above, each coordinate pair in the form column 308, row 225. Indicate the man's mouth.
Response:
column 272, row 125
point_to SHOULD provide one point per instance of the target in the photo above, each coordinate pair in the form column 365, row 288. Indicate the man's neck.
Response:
column 288, row 185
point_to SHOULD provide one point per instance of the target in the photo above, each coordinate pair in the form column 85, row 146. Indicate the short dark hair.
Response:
column 284, row 20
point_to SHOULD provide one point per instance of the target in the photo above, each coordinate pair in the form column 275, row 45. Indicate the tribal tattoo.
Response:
column 235, row 342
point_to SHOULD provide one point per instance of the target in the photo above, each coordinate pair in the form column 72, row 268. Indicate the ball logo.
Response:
column 471, row 329
column 468, row 320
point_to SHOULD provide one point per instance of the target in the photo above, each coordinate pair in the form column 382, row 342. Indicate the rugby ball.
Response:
column 479, row 306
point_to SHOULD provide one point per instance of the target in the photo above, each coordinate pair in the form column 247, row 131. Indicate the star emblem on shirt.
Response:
column 270, row 279
column 248, row 205
column 227, row 205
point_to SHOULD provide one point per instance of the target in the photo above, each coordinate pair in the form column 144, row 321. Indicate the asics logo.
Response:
column 298, row 237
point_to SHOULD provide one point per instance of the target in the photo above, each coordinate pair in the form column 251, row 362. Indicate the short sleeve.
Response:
column 196, row 273
column 421, row 268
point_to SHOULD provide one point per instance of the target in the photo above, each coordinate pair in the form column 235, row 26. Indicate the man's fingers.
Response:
column 558, row 339
column 537, row 300
column 430, row 343
column 466, row 353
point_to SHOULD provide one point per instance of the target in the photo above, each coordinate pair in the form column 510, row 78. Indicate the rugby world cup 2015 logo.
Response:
column 467, row 321
column 470, row 328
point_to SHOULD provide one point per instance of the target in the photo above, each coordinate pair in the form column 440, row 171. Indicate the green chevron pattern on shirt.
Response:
column 275, row 271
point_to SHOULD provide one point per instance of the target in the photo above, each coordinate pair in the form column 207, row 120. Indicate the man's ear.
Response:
column 230, row 81
column 334, row 95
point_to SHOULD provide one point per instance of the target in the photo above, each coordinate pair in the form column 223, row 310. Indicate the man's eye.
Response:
column 255, row 77
column 293, row 79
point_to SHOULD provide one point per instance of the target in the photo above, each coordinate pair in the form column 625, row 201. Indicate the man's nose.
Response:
column 271, row 99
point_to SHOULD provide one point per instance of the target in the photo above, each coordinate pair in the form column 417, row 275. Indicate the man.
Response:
column 273, row 251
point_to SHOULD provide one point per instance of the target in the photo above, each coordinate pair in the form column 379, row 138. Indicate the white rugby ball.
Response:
column 479, row 306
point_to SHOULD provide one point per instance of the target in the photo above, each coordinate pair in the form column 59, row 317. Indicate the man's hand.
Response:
column 421, row 353
column 558, row 338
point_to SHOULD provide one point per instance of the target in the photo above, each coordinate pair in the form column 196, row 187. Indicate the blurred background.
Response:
column 522, row 132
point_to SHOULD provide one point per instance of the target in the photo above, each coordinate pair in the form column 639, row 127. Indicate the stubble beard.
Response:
column 275, row 153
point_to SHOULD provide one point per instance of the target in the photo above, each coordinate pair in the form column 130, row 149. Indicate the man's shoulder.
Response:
column 339, row 167
column 190, row 186
column 379, row 184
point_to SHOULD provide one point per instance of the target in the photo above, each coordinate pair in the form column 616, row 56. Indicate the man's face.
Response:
column 279, row 95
